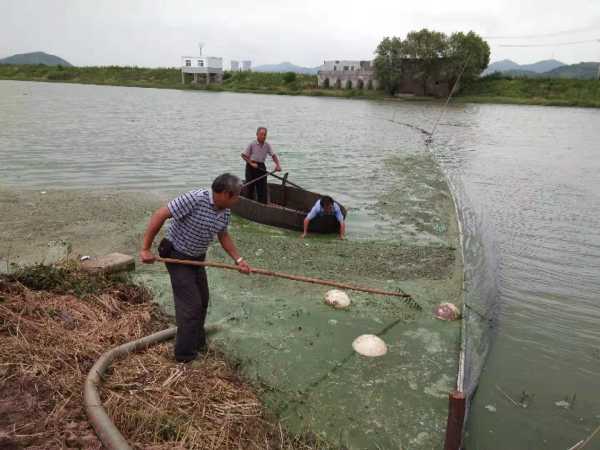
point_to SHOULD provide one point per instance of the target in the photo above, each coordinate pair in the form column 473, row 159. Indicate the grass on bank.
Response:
column 537, row 91
column 490, row 89
column 287, row 83
column 54, row 324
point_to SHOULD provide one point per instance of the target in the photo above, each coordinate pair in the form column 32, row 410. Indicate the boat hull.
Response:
column 287, row 208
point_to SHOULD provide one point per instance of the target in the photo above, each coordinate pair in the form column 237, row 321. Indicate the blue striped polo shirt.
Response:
column 196, row 221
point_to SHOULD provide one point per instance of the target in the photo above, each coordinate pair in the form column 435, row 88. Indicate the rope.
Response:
column 406, row 297
column 555, row 44
column 430, row 137
column 543, row 35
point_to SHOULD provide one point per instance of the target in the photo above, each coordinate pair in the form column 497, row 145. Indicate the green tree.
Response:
column 289, row 77
column 427, row 55
column 468, row 51
column 428, row 48
column 387, row 64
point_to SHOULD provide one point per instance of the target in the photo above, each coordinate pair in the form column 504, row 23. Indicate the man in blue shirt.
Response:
column 325, row 206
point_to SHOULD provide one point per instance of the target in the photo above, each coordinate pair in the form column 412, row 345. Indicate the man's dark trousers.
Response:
column 190, row 292
column 260, row 185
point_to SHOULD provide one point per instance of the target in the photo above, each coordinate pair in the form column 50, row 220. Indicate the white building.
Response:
column 347, row 74
column 246, row 66
column 235, row 66
column 208, row 69
column 345, row 65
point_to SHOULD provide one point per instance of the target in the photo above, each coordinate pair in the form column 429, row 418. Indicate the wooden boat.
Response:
column 287, row 207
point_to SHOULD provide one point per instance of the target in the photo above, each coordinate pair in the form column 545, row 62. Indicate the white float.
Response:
column 446, row 311
column 369, row 345
column 338, row 299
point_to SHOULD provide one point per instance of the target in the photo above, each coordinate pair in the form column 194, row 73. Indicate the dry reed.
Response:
column 50, row 339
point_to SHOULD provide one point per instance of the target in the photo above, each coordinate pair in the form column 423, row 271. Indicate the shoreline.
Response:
column 334, row 93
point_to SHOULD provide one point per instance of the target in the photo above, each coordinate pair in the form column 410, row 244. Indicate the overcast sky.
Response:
column 306, row 32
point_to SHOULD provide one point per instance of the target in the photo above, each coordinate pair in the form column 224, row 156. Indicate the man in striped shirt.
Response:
column 255, row 156
column 196, row 218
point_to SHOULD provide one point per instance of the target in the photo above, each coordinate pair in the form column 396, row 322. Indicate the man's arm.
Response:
column 228, row 245
column 276, row 161
column 340, row 218
column 310, row 216
column 156, row 222
column 248, row 160
column 306, row 222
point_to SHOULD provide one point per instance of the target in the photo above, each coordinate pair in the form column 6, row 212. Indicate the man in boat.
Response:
column 196, row 218
column 325, row 206
column 255, row 155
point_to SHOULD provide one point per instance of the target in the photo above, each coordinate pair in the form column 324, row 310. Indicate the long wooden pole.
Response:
column 254, row 180
column 284, row 179
column 411, row 302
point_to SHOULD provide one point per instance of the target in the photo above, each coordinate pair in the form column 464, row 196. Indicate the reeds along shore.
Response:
column 54, row 324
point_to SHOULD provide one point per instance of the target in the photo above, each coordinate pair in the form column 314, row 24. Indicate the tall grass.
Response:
column 134, row 76
column 542, row 91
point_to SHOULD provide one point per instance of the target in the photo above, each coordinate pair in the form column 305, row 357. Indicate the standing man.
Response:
column 197, row 217
column 255, row 155
column 325, row 206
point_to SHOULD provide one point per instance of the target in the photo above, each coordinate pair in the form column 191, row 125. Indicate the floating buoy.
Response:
column 369, row 345
column 446, row 311
column 338, row 299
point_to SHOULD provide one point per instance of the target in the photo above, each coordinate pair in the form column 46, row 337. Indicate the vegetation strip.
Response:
column 490, row 89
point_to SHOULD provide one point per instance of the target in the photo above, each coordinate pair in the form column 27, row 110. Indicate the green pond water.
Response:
column 298, row 349
column 526, row 182
column 98, row 194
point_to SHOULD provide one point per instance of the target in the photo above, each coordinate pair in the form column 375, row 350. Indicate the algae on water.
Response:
column 294, row 347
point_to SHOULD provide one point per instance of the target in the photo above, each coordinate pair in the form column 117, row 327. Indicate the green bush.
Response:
column 289, row 77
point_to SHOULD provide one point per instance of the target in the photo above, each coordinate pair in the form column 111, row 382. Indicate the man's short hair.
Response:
column 326, row 200
column 227, row 183
column 261, row 128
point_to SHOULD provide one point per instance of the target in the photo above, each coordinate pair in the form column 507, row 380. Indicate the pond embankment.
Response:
column 491, row 89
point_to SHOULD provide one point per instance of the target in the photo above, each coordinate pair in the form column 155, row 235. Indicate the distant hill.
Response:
column 501, row 66
column 35, row 58
column 583, row 70
column 542, row 66
column 506, row 65
column 521, row 73
column 286, row 67
column 554, row 69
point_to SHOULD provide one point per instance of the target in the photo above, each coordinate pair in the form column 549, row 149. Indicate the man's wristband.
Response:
column 239, row 260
